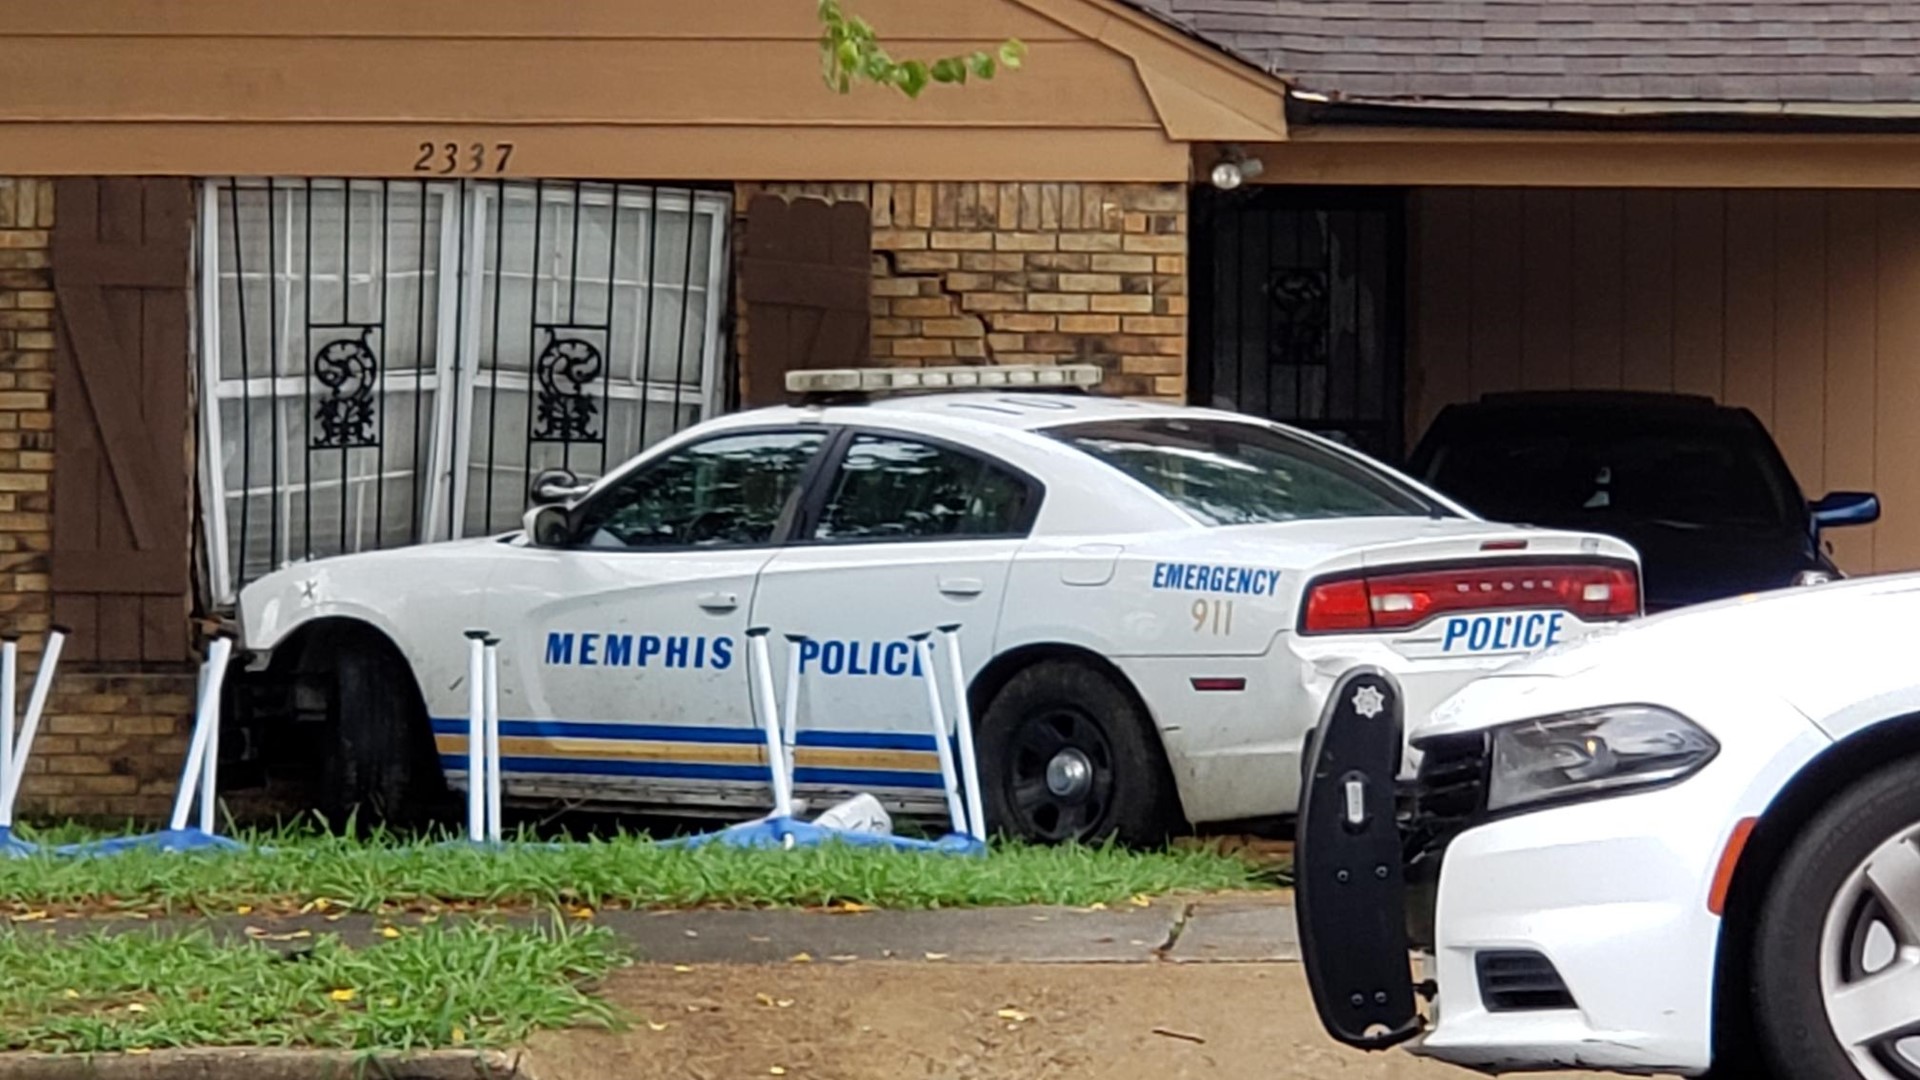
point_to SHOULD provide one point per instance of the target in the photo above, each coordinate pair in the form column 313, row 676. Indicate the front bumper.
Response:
column 1609, row 897
column 1613, row 894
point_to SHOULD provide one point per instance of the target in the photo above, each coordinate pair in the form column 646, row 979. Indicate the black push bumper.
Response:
column 1351, row 891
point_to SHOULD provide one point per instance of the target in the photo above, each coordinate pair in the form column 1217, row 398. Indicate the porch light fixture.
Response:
column 1236, row 169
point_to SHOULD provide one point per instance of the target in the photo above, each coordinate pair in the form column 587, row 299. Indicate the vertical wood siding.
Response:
column 1802, row 306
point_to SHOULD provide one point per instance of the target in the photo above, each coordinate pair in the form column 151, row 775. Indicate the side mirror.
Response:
column 1846, row 508
column 548, row 526
column 557, row 486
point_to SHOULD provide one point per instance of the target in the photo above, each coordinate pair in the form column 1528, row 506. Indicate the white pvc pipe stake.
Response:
column 956, row 814
column 760, row 666
column 790, row 720
column 963, row 724
column 9, row 674
column 219, row 654
column 476, row 735
column 194, row 771
column 493, row 740
column 36, row 704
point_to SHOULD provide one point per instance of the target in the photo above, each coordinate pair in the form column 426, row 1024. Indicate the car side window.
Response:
column 728, row 491
column 890, row 488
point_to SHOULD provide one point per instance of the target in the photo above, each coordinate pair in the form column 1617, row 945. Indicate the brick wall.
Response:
column 26, row 409
column 1025, row 273
column 110, row 743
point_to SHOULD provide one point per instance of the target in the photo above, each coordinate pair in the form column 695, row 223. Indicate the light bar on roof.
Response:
column 968, row 377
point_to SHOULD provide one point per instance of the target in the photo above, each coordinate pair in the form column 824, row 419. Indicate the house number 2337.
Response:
column 447, row 158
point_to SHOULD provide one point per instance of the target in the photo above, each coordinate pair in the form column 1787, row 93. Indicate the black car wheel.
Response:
column 1836, row 961
column 1068, row 755
column 382, row 767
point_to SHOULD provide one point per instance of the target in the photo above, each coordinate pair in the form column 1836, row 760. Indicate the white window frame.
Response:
column 457, row 340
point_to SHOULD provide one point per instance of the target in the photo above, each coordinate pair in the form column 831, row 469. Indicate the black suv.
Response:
column 1698, row 488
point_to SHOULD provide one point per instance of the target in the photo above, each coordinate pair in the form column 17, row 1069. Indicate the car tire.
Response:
column 382, row 767
column 1068, row 754
column 1816, row 934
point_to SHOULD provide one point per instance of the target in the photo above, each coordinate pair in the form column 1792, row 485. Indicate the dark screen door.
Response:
column 1299, row 312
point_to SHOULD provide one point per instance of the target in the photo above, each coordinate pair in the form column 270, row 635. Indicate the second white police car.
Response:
column 1690, row 845
column 1154, row 602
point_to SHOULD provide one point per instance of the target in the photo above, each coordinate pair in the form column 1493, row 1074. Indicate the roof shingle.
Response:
column 1802, row 52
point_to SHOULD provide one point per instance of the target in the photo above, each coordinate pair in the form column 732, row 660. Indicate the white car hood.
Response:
column 371, row 584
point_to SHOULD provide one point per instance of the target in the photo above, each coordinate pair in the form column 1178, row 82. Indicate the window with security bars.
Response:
column 390, row 362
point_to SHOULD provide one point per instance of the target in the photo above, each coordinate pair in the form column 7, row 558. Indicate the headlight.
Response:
column 1588, row 754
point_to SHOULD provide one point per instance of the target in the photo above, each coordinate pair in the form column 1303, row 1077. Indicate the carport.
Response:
column 1577, row 197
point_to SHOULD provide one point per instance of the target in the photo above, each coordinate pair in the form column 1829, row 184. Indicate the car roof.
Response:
column 1599, row 399
column 1615, row 410
column 973, row 410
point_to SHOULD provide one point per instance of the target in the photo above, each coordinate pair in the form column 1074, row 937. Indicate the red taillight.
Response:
column 1395, row 600
column 1338, row 605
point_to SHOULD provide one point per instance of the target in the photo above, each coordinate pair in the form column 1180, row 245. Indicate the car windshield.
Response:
column 1226, row 472
column 1549, row 470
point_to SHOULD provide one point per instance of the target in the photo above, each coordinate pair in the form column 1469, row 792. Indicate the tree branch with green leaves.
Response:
column 851, row 53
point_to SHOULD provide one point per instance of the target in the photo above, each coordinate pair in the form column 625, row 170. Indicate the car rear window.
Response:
column 1232, row 473
column 1567, row 472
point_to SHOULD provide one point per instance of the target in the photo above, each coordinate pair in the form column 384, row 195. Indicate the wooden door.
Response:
column 122, row 470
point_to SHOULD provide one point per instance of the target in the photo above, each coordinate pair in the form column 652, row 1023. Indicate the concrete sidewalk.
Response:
column 1240, row 929
column 1253, row 928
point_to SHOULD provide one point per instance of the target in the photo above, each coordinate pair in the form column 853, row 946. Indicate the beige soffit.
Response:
column 1201, row 94
column 717, row 91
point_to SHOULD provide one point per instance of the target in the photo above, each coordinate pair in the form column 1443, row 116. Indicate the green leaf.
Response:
column 851, row 52
column 912, row 77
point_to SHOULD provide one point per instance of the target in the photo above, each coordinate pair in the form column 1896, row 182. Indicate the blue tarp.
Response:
column 774, row 833
column 189, row 839
column 12, row 847
column 784, row 832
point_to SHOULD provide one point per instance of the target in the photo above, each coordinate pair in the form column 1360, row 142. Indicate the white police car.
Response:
column 1153, row 599
column 1691, row 844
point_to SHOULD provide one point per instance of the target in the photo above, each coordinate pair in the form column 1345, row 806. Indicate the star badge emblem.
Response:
column 1369, row 702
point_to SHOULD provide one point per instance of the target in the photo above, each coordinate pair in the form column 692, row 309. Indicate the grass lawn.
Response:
column 460, row 983
column 464, row 985
column 292, row 869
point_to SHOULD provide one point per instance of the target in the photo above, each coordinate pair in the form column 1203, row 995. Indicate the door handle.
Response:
column 962, row 586
column 719, row 601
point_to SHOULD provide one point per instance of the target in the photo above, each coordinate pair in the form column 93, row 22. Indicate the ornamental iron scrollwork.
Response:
column 1300, row 314
column 347, row 415
column 566, row 407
